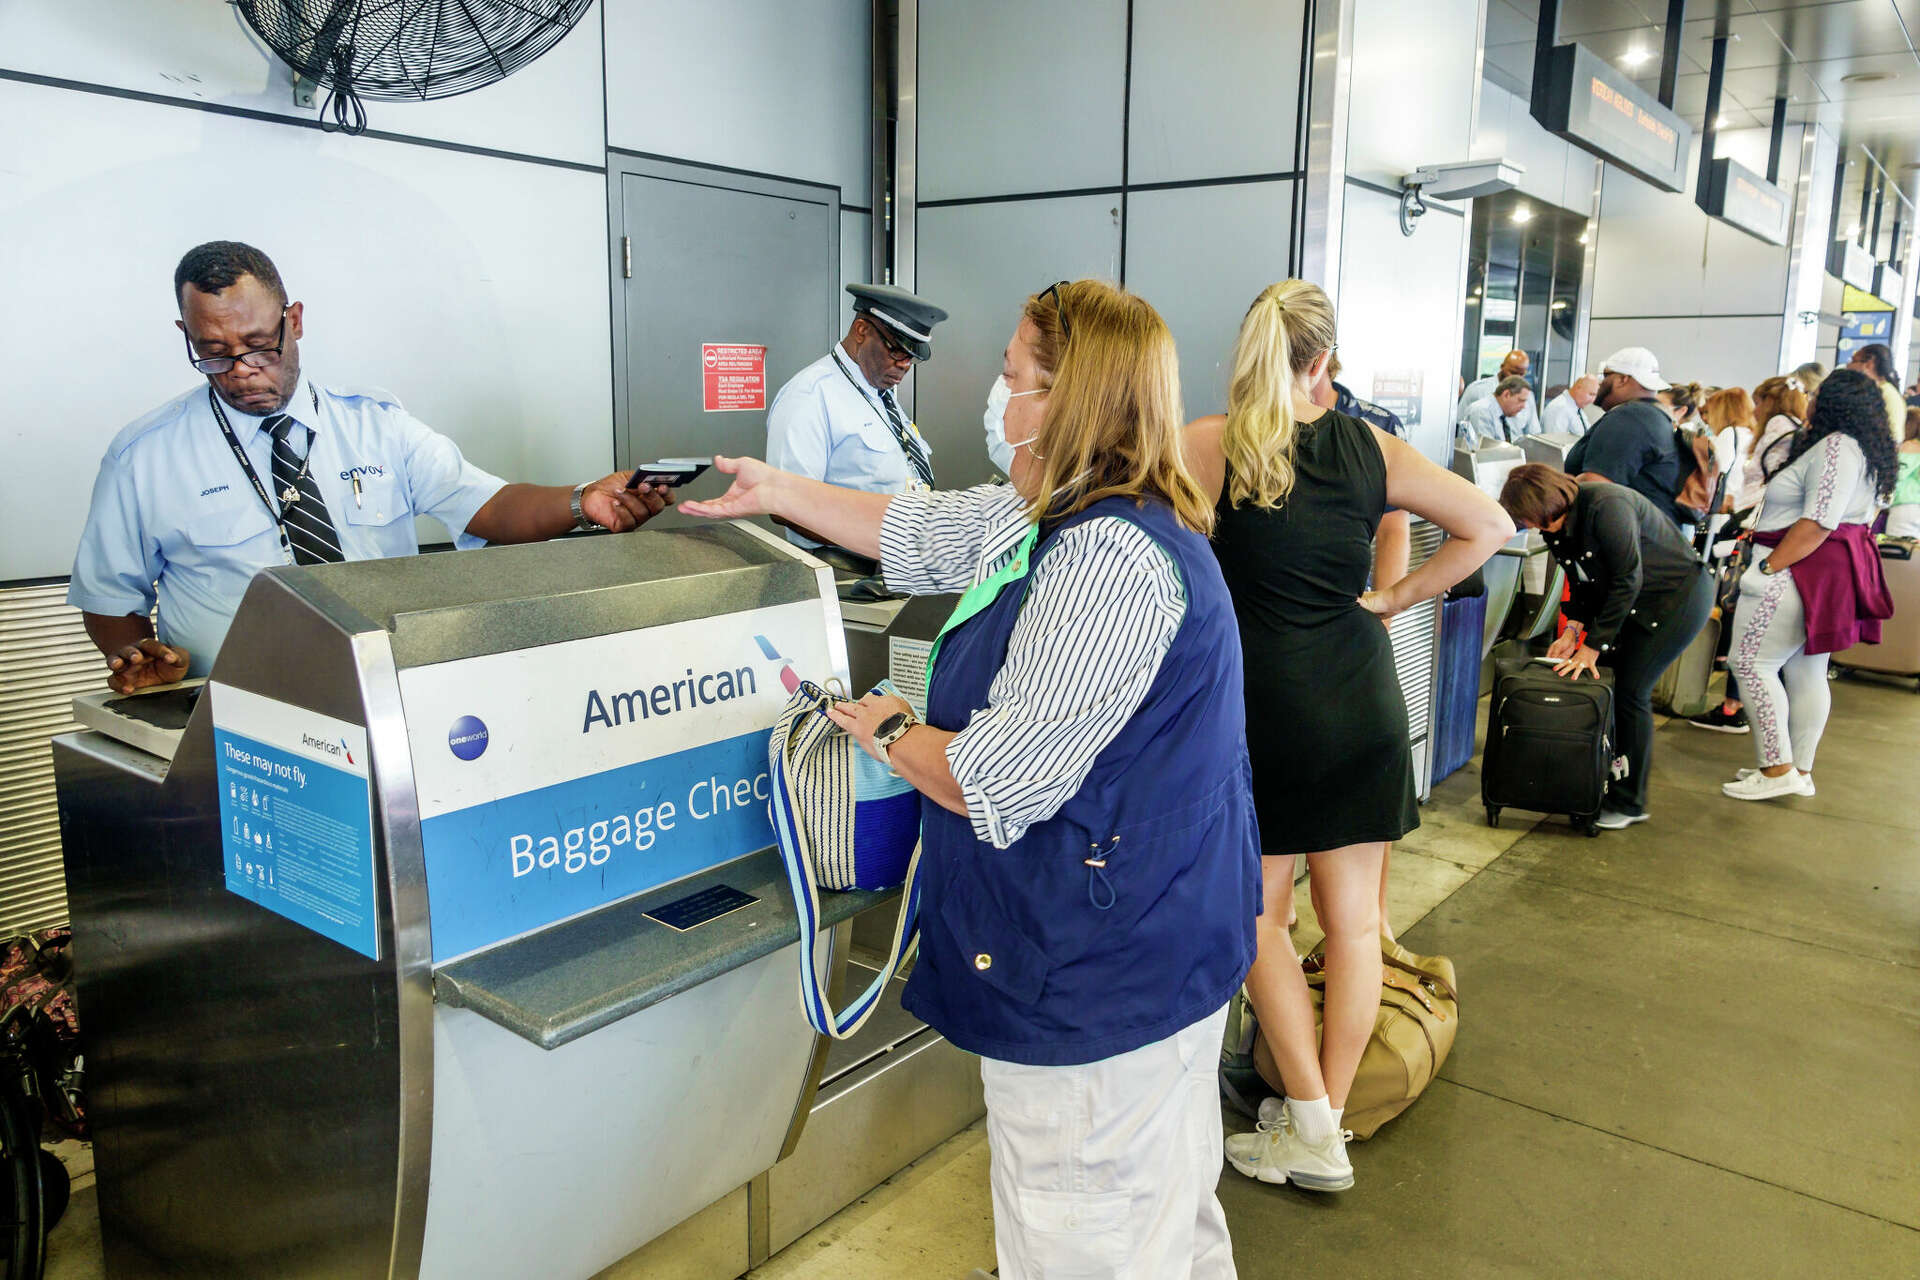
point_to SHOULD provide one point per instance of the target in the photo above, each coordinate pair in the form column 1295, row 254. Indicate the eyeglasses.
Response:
column 1059, row 309
column 895, row 352
column 252, row 359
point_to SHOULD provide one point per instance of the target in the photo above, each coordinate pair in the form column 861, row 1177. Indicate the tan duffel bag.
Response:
column 1419, row 1013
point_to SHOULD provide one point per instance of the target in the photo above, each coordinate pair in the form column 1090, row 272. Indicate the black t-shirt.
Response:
column 1632, row 445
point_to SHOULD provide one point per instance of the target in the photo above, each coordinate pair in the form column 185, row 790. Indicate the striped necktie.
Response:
column 303, row 512
column 909, row 444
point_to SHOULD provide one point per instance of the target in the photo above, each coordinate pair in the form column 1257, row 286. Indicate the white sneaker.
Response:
column 1755, row 785
column 1748, row 773
column 1275, row 1153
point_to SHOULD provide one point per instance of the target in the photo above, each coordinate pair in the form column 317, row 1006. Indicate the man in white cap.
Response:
column 1633, row 442
column 837, row 419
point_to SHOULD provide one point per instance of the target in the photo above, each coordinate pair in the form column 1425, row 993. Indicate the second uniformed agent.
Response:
column 837, row 420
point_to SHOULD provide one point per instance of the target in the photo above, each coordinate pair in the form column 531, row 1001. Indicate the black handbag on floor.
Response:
column 1549, row 743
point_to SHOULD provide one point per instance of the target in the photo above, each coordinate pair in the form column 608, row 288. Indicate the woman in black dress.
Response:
column 1301, row 490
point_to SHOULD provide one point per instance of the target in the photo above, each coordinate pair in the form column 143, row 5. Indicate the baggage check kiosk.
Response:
column 440, row 933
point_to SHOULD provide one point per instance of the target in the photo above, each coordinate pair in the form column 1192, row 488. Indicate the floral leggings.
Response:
column 1784, row 687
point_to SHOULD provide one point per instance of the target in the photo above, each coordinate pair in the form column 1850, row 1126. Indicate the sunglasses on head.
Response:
column 1059, row 308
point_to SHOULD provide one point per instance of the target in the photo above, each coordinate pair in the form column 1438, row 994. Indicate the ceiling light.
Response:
column 1523, row 214
column 1853, row 232
column 1634, row 57
column 1583, row 237
column 1559, row 304
column 1866, row 77
column 1720, row 122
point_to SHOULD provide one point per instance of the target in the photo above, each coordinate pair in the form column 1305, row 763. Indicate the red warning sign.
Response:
column 732, row 376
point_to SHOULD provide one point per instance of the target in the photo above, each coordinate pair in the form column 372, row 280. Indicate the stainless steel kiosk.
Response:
column 440, row 934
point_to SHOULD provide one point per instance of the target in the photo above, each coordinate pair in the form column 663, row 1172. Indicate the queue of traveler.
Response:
column 1807, row 462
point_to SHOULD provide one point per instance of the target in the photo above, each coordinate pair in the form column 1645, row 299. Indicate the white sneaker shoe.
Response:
column 1755, row 785
column 1275, row 1153
column 1740, row 774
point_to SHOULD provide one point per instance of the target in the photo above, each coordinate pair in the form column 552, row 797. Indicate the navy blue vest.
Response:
column 1028, row 954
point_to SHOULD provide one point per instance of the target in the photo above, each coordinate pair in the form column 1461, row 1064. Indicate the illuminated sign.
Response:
column 1596, row 108
column 1742, row 198
column 1887, row 285
column 1854, row 265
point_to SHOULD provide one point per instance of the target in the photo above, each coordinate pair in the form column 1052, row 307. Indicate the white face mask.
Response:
column 999, row 452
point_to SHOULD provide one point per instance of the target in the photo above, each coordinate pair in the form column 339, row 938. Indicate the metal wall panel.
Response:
column 980, row 261
column 1216, row 88
column 1020, row 96
column 48, row 660
column 1201, row 255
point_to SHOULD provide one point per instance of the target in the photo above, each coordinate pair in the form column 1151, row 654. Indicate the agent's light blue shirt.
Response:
column 175, row 521
column 1563, row 415
column 824, row 426
column 1485, row 423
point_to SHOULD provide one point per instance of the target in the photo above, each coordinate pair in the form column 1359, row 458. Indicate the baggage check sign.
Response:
column 556, row 780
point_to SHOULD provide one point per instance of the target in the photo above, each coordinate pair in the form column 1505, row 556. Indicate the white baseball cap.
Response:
column 1637, row 363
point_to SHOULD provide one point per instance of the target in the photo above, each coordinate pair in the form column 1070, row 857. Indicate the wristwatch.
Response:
column 1766, row 568
column 891, row 730
column 580, row 522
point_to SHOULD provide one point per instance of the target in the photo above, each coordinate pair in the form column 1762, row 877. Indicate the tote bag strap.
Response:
column 791, row 736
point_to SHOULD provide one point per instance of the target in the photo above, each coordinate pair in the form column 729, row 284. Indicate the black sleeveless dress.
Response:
column 1326, row 722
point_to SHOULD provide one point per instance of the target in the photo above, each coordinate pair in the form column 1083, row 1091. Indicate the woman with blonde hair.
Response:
column 1300, row 491
column 1728, row 414
column 1089, row 871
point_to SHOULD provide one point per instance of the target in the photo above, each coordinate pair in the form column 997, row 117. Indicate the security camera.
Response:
column 1464, row 181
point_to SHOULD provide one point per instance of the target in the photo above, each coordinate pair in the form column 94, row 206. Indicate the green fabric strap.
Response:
column 985, row 592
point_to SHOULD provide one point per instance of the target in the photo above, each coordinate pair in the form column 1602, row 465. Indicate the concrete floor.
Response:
column 1689, row 1049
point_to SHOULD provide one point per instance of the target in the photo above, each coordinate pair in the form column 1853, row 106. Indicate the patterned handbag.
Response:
column 842, row 820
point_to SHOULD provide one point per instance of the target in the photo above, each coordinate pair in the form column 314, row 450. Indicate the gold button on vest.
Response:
column 983, row 962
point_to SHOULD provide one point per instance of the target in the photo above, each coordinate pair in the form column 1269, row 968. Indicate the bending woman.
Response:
column 1815, row 586
column 1637, row 593
column 1089, row 874
column 1300, row 491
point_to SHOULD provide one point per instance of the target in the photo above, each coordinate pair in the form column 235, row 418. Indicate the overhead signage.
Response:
column 733, row 376
column 1887, row 285
column 1852, row 299
column 1597, row 108
column 1851, row 263
column 555, row 780
column 296, row 815
column 1742, row 198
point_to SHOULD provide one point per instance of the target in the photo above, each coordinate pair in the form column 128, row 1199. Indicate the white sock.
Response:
column 1337, row 1113
column 1313, row 1119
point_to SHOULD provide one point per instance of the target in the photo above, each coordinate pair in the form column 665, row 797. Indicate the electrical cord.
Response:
column 349, row 114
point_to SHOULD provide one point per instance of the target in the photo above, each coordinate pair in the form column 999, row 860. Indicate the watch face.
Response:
column 893, row 724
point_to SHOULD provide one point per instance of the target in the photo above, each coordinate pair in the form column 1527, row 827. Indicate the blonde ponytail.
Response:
column 1287, row 328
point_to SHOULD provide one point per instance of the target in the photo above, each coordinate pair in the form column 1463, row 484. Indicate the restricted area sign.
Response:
column 733, row 375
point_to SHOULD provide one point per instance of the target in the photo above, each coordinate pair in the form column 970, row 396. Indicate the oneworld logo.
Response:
column 467, row 738
column 610, row 710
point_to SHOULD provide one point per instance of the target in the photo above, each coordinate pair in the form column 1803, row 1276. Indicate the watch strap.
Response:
column 580, row 522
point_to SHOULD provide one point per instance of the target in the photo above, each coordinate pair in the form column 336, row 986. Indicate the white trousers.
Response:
column 1903, row 521
column 1783, row 686
column 1107, row 1171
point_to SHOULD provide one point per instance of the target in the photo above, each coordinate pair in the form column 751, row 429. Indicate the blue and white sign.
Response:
column 556, row 780
column 296, row 815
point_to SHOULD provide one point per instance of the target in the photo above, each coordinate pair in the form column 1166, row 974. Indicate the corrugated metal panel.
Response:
column 1416, row 656
column 48, row 659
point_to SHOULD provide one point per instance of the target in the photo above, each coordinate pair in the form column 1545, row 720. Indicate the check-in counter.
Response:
column 440, row 933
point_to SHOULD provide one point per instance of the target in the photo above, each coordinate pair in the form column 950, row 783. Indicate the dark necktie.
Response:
column 302, row 510
column 908, row 443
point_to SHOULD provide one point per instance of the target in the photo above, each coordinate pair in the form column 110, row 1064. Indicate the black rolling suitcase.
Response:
column 1549, row 743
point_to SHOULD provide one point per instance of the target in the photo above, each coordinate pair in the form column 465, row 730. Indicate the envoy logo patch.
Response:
column 364, row 473
column 467, row 739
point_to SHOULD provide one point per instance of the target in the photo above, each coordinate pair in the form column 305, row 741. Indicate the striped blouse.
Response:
column 1101, row 610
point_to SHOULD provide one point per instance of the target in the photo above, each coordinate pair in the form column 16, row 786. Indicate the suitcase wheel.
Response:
column 1591, row 827
column 1493, row 815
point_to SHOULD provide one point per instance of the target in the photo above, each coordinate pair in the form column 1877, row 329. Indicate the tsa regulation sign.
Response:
column 296, row 815
column 555, row 780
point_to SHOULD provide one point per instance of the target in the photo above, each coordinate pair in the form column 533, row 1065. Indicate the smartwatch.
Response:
column 891, row 730
column 580, row 522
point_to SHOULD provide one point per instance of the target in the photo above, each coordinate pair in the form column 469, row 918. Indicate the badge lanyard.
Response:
column 246, row 465
column 900, row 436
column 983, row 593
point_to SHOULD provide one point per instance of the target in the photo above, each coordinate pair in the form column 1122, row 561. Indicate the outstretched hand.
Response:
column 753, row 492
column 146, row 663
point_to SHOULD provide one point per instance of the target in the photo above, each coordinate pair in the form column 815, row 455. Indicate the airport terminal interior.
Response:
column 850, row 639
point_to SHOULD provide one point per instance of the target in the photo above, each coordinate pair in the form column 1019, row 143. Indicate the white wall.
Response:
column 1708, row 300
column 1556, row 171
column 1400, row 296
column 476, row 286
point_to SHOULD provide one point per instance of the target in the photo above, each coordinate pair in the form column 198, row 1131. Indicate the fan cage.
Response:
column 410, row 50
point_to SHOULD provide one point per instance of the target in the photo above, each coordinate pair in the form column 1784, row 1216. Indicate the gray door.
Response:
column 715, row 258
